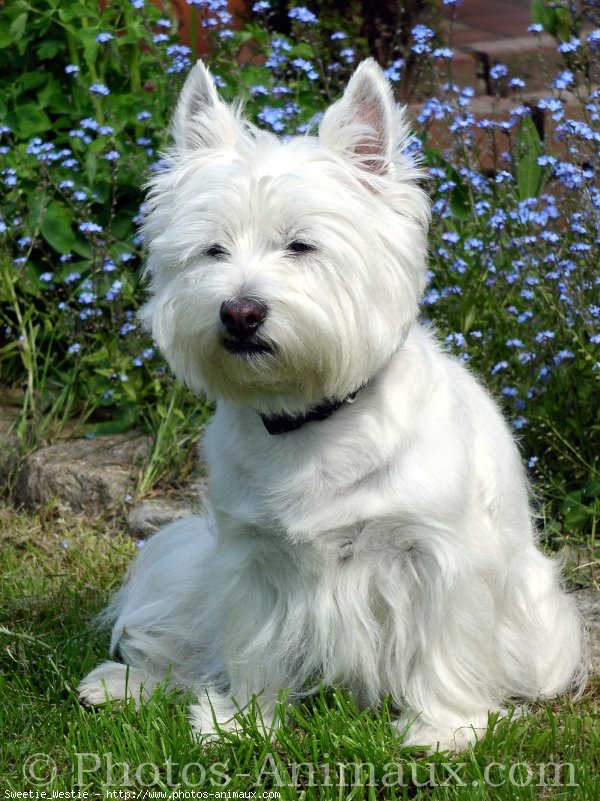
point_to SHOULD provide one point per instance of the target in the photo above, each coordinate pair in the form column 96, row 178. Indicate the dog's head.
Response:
column 283, row 272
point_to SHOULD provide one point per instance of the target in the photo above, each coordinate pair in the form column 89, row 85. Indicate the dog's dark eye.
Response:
column 299, row 248
column 215, row 252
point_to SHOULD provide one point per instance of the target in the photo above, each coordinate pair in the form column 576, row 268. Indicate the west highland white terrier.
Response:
column 368, row 521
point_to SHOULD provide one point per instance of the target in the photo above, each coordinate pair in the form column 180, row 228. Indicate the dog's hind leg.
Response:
column 164, row 626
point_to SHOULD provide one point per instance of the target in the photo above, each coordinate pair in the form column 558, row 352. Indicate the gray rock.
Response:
column 148, row 516
column 9, row 441
column 588, row 601
column 89, row 475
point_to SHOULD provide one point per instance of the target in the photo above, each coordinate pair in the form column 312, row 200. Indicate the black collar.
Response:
column 282, row 423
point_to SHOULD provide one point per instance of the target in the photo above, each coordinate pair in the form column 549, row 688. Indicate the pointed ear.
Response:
column 201, row 118
column 361, row 124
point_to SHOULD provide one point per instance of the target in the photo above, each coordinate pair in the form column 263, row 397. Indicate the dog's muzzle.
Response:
column 241, row 318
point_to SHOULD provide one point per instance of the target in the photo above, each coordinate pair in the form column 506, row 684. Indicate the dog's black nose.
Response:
column 243, row 316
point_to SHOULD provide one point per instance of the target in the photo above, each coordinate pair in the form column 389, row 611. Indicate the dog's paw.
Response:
column 213, row 714
column 443, row 737
column 112, row 681
column 216, row 713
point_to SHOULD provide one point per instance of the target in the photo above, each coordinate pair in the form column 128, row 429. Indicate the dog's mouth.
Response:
column 246, row 347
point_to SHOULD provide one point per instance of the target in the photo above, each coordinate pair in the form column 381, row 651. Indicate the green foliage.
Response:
column 513, row 240
column 85, row 110
column 555, row 17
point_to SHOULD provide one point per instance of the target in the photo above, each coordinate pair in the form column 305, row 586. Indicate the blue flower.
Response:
column 337, row 36
column 593, row 39
column 104, row 37
column 306, row 67
column 563, row 356
column 90, row 228
column 536, row 28
column 99, row 89
column 498, row 71
column 114, row 290
column 74, row 348
column 89, row 123
column 554, row 105
column 498, row 220
column 112, row 155
column 46, row 277
column 302, row 14
column 261, row 7
column 422, row 33
column 273, row 117
column 71, row 69
column 563, row 80
column 393, row 72
column 569, row 47
column 519, row 422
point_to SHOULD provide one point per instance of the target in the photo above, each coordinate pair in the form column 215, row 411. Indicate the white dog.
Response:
column 368, row 520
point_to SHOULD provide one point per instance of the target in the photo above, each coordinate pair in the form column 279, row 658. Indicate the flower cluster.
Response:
column 513, row 282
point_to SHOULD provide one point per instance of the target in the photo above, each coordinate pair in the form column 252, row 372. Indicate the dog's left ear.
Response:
column 201, row 118
column 362, row 123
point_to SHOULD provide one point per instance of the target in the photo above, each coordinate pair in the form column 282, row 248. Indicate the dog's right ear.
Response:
column 201, row 118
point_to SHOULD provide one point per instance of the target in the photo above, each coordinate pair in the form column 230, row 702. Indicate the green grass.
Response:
column 57, row 572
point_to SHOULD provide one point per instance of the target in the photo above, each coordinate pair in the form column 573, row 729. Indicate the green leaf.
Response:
column 27, row 120
column 82, row 249
column 90, row 44
column 91, row 167
column 127, row 422
column 17, row 28
column 6, row 38
column 529, row 149
column 56, row 227
column 592, row 490
column 52, row 96
column 555, row 20
column 49, row 49
column 33, row 79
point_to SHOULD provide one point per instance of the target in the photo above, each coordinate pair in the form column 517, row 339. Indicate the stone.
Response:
column 588, row 601
column 148, row 516
column 9, row 441
column 91, row 475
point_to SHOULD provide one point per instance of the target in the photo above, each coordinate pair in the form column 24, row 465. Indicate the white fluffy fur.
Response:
column 389, row 548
